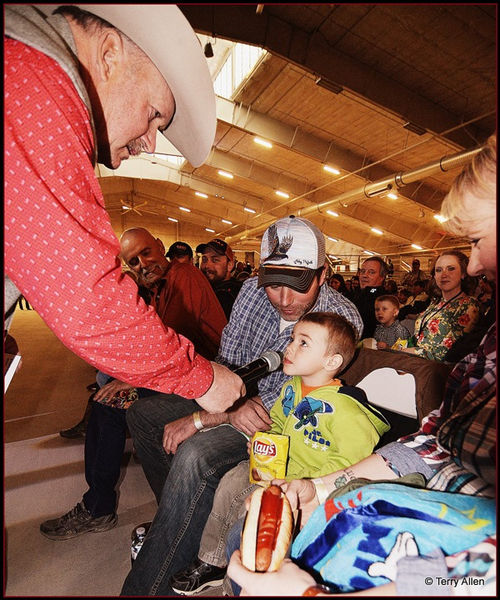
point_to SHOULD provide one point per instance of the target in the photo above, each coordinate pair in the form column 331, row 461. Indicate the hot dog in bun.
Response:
column 267, row 531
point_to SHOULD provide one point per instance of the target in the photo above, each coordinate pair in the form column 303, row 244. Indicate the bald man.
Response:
column 184, row 300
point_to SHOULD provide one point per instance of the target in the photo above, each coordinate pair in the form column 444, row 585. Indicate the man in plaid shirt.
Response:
column 183, row 464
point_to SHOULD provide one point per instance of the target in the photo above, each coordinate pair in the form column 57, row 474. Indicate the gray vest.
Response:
column 52, row 36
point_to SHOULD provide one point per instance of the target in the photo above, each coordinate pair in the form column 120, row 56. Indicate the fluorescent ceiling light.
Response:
column 226, row 221
column 333, row 213
column 225, row 174
column 377, row 231
column 416, row 246
column 201, row 194
column 282, row 194
column 209, row 230
column 262, row 142
column 368, row 252
column 172, row 219
column 440, row 218
column 250, row 210
column 331, row 169
column 332, row 239
column 184, row 209
column 392, row 195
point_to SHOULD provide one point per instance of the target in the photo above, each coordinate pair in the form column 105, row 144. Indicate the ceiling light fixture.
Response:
column 225, row 174
column 184, row 209
column 440, row 218
column 377, row 231
column 392, row 196
column 250, row 210
column 227, row 222
column 331, row 169
column 368, row 252
column 201, row 194
column 282, row 194
column 332, row 239
column 209, row 230
column 262, row 142
column 416, row 246
column 333, row 213
column 173, row 220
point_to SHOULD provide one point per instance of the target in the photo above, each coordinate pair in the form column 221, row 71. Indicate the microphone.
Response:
column 266, row 363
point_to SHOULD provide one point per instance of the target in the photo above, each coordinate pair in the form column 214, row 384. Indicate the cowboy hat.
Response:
column 165, row 35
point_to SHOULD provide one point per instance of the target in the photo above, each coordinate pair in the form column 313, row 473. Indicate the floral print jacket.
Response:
column 443, row 323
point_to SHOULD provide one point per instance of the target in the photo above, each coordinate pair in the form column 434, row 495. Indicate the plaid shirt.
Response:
column 254, row 327
column 458, row 440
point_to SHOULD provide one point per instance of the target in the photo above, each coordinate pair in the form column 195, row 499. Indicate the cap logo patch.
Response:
column 277, row 249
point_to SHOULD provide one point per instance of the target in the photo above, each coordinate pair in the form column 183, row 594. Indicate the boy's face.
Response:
column 385, row 312
column 306, row 353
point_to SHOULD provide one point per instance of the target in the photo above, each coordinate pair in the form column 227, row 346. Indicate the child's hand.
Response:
column 382, row 345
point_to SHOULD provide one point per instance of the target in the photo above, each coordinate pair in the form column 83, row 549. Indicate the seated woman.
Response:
column 455, row 448
column 448, row 318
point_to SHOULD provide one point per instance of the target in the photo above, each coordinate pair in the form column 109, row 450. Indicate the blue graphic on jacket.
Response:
column 306, row 410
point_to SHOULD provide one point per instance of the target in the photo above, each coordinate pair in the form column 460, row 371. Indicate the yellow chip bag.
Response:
column 268, row 457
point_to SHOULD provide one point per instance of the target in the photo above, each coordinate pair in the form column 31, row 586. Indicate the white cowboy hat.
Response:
column 165, row 35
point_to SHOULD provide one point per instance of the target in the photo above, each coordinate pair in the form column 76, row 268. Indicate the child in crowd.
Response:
column 330, row 426
column 389, row 329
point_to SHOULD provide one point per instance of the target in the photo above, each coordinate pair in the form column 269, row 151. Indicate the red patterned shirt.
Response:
column 60, row 249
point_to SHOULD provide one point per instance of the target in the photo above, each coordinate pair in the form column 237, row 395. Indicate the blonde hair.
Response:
column 479, row 179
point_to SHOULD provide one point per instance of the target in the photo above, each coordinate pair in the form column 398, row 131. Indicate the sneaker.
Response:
column 197, row 577
column 76, row 522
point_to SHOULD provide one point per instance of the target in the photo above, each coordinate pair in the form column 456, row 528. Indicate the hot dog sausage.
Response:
column 269, row 522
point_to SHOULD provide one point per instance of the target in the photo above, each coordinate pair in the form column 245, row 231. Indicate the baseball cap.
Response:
column 179, row 249
column 164, row 34
column 292, row 250
column 217, row 245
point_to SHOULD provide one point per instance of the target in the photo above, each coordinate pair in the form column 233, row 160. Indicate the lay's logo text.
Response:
column 261, row 448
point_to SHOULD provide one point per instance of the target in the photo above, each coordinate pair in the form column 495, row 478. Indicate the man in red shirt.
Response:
column 80, row 87
column 184, row 300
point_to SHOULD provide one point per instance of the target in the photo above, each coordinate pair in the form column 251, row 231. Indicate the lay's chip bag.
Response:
column 268, row 457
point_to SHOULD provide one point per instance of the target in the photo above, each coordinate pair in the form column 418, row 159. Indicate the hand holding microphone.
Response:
column 226, row 387
column 268, row 362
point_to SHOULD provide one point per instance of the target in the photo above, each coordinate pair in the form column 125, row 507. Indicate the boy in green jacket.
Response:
column 330, row 427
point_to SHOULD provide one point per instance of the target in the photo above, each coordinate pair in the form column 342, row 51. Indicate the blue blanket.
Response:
column 354, row 541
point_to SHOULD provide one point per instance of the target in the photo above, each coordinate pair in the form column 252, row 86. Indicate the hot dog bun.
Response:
column 267, row 531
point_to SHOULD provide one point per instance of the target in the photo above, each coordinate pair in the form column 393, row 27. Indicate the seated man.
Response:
column 217, row 263
column 183, row 465
column 372, row 276
column 184, row 301
column 181, row 252
column 328, row 424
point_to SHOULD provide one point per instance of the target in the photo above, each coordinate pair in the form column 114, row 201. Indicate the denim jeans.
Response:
column 104, row 446
column 230, row 588
column 190, row 478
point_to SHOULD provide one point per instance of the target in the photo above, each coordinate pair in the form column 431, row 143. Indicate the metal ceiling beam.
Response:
column 371, row 190
column 313, row 53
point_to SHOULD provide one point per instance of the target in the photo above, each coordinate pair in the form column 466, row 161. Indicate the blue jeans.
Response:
column 233, row 543
column 104, row 445
column 185, row 499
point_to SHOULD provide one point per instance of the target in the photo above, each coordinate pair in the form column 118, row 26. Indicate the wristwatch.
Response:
column 315, row 590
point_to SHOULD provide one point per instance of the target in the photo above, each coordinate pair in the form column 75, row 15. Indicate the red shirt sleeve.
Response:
column 60, row 249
